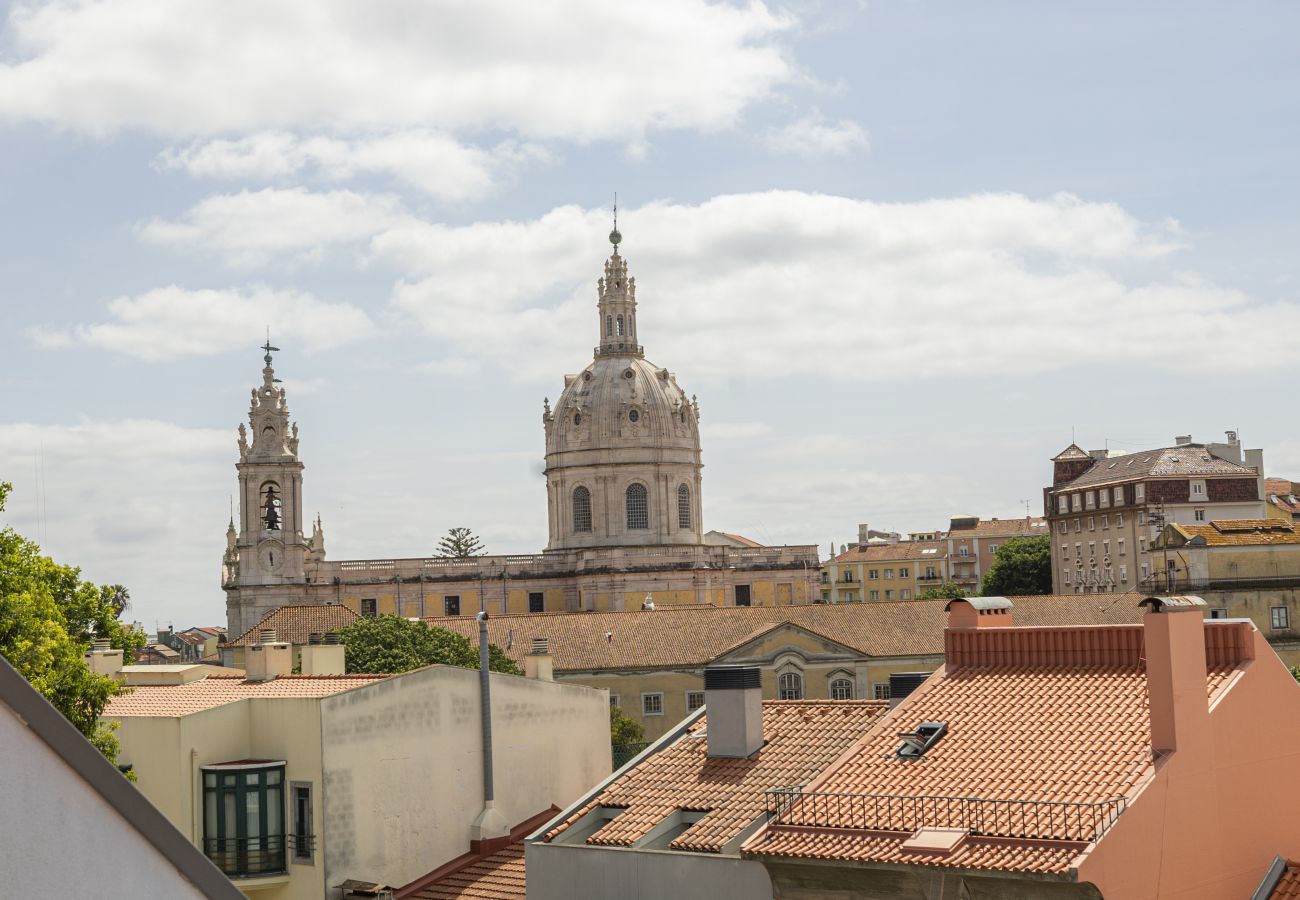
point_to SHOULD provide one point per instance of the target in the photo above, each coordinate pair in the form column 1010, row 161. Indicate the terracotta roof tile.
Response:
column 1015, row 734
column 1289, row 884
column 296, row 623
column 1242, row 532
column 499, row 876
column 1004, row 528
column 802, row 736
column 1185, row 461
column 903, row 550
column 218, row 690
column 678, row 636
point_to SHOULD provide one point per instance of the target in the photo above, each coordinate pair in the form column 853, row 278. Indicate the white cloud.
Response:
column 249, row 228
column 136, row 502
column 993, row 283
column 171, row 322
column 433, row 163
column 575, row 69
column 813, row 136
column 733, row 431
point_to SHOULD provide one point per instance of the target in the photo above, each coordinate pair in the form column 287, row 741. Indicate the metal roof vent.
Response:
column 915, row 743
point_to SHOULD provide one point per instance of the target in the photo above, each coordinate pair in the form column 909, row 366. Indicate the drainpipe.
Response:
column 490, row 823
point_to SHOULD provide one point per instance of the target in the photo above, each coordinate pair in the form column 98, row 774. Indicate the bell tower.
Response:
column 266, row 566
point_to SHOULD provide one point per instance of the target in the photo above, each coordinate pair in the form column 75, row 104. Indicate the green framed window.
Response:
column 243, row 817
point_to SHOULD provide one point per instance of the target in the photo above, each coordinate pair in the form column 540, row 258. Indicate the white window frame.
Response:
column 880, row 690
column 615, row 700
column 839, row 679
column 783, row 679
column 1198, row 515
column 1119, row 520
column 1139, row 492
column 1279, row 618
column 1063, row 504
column 646, row 712
column 1123, row 573
column 1119, row 495
column 689, row 695
column 1090, row 500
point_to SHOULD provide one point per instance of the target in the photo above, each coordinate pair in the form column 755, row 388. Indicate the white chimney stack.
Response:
column 104, row 660
column 323, row 656
column 733, row 696
column 268, row 658
column 538, row 662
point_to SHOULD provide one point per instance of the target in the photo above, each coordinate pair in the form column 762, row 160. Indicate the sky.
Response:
column 902, row 251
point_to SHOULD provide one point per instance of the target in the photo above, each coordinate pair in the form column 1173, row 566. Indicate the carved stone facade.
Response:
column 623, row 473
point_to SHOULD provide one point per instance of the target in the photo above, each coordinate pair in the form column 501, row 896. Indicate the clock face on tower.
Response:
column 271, row 556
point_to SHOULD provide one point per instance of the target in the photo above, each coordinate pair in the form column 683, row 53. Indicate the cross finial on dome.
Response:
column 268, row 348
column 614, row 237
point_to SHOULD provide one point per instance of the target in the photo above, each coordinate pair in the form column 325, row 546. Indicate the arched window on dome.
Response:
column 581, row 509
column 683, row 506
column 638, row 507
column 609, row 326
column 620, row 326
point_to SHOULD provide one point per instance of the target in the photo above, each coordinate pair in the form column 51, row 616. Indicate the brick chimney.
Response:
column 979, row 612
column 268, row 658
column 538, row 662
column 733, row 696
column 102, row 659
column 1174, row 638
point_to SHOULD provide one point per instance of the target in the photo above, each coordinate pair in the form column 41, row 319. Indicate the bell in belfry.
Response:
column 271, row 513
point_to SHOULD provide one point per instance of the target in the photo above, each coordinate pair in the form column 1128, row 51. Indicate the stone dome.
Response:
column 623, row 402
column 622, row 441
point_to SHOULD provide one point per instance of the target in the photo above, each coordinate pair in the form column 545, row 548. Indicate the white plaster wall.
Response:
column 61, row 838
column 403, row 773
column 559, row 872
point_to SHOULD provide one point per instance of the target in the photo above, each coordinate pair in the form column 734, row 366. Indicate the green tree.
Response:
column 48, row 617
column 949, row 590
column 623, row 729
column 460, row 542
column 1023, row 565
column 391, row 644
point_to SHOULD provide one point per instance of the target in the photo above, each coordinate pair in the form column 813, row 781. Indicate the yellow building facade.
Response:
column 903, row 570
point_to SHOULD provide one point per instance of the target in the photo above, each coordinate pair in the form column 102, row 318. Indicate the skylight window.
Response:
column 915, row 743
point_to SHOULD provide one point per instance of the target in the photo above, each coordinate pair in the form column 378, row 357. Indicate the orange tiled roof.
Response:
column 802, row 736
column 682, row 636
column 499, row 876
column 1012, row 705
column 218, row 690
column 1187, row 461
column 296, row 623
column 902, row 550
column 1003, row 528
column 1242, row 532
column 1289, row 884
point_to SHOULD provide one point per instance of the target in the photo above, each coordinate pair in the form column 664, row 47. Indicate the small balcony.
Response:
column 260, row 858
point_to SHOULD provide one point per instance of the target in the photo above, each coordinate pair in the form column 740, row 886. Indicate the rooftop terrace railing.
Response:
column 1028, row 819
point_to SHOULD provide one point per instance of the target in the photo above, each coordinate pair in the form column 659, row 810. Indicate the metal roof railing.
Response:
column 1028, row 819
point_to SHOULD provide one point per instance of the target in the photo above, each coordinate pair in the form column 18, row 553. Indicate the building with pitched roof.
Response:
column 972, row 543
column 491, row 870
column 624, row 502
column 299, row 625
column 72, row 825
column 293, row 784
column 1282, row 500
column 1152, row 760
column 1104, row 509
column 652, row 662
column 670, row 823
column 899, row 570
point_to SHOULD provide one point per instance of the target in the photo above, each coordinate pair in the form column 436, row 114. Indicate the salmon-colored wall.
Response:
column 1217, row 810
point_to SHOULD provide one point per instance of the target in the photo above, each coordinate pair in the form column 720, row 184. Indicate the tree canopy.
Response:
column 949, row 590
column 624, row 731
column 48, row 618
column 460, row 542
column 1022, row 566
column 390, row 644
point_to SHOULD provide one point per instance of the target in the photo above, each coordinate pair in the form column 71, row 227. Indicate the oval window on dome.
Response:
column 577, row 418
column 628, row 373
column 633, row 415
